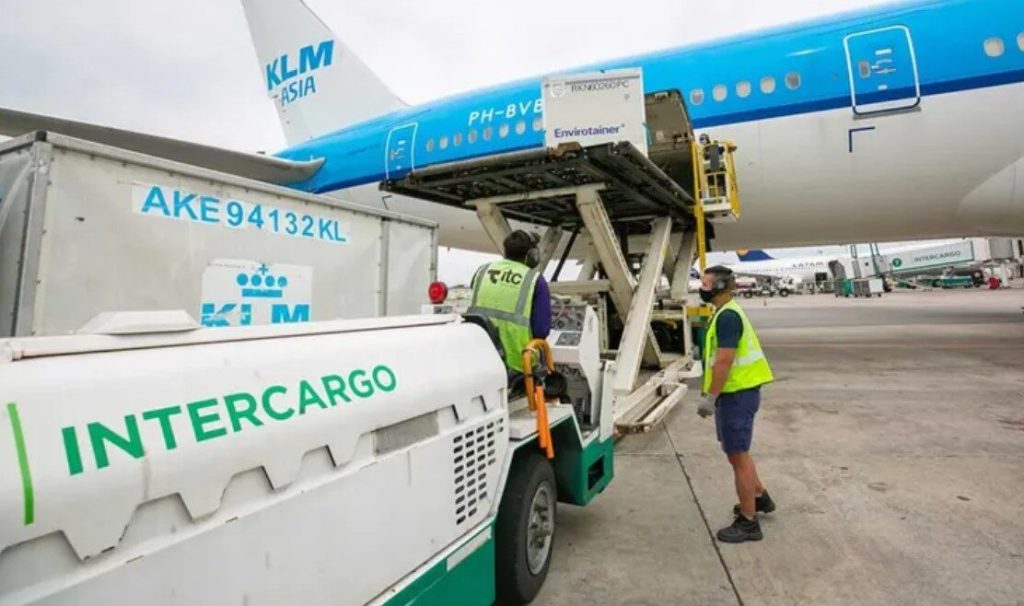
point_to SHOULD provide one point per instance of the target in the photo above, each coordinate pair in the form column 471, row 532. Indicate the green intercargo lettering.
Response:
column 364, row 388
column 210, row 418
column 308, row 396
column 71, row 450
column 334, row 386
column 163, row 415
column 198, row 421
column 100, row 434
column 273, row 414
column 379, row 370
column 236, row 415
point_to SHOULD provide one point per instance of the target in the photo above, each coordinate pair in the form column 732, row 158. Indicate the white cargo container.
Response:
column 89, row 228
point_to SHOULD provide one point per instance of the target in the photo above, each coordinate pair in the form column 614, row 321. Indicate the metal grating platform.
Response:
column 636, row 189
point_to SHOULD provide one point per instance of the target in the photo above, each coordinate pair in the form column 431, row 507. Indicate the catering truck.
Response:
column 87, row 228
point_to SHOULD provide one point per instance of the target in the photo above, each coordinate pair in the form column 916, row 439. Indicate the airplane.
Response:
column 804, row 269
column 896, row 259
column 892, row 123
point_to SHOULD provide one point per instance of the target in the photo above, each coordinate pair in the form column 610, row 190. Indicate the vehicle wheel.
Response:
column 525, row 530
column 747, row 294
column 783, row 293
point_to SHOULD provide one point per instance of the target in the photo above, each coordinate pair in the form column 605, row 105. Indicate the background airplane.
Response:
column 895, row 259
column 802, row 268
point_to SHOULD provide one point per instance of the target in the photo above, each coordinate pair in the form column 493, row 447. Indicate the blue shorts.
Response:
column 734, row 419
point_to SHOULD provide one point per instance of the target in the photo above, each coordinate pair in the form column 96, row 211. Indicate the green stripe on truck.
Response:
column 465, row 577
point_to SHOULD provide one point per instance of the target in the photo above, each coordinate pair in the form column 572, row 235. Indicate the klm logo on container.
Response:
column 294, row 71
column 260, row 289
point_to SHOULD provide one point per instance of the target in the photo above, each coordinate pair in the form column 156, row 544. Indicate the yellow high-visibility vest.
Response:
column 503, row 293
column 750, row 368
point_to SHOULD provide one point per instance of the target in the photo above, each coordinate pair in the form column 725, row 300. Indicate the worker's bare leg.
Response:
column 759, row 488
column 746, row 482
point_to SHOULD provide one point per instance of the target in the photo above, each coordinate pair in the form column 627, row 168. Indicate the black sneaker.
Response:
column 741, row 530
column 762, row 504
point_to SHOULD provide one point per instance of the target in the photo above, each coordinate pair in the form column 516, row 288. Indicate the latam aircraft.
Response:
column 895, row 123
column 758, row 262
column 897, row 259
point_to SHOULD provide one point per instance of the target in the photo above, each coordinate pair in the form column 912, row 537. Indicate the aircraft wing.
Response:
column 254, row 166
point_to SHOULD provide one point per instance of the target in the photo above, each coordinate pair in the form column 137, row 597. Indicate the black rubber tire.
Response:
column 747, row 294
column 515, row 583
column 784, row 293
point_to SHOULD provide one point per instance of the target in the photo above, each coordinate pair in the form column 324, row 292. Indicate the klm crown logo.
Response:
column 260, row 298
column 262, row 284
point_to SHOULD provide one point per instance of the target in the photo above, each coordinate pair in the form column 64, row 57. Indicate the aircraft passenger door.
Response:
column 883, row 70
column 400, row 154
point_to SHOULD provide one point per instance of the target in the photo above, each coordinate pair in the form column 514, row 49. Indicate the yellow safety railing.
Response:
column 697, row 157
column 721, row 184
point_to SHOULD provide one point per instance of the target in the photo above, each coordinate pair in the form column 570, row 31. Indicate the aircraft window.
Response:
column 864, row 67
column 488, row 132
column 503, row 130
column 443, row 142
column 430, row 145
column 743, row 89
column 793, row 80
column 719, row 92
column 471, row 137
column 697, row 96
column 1020, row 41
column 994, row 47
column 538, row 124
column 520, row 127
column 767, row 85
column 457, row 139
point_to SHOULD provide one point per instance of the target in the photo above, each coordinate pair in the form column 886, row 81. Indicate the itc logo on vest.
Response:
column 508, row 276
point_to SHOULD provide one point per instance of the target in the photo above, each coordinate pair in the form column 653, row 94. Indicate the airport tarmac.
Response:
column 892, row 442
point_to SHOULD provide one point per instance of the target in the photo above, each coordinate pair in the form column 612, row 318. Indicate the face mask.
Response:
column 706, row 295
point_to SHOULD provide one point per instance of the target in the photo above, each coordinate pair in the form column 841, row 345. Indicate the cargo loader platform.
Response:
column 605, row 196
column 538, row 186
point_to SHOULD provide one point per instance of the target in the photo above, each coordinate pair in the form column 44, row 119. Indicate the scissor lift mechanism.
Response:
column 607, row 193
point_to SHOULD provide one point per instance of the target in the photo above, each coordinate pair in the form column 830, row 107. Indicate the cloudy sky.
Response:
column 186, row 68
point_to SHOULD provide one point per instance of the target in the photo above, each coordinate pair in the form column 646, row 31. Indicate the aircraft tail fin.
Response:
column 753, row 255
column 317, row 83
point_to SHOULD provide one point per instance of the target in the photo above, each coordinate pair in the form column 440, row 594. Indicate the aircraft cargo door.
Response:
column 400, row 153
column 883, row 70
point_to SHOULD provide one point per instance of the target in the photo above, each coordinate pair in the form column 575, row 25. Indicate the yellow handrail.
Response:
column 697, row 157
column 709, row 185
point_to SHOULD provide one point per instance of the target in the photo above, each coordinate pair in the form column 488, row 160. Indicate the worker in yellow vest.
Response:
column 514, row 297
column 735, row 368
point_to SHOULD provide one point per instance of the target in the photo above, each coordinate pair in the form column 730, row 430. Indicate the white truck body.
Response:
column 88, row 228
column 324, row 463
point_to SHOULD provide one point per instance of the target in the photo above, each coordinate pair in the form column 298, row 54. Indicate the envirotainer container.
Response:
column 87, row 228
